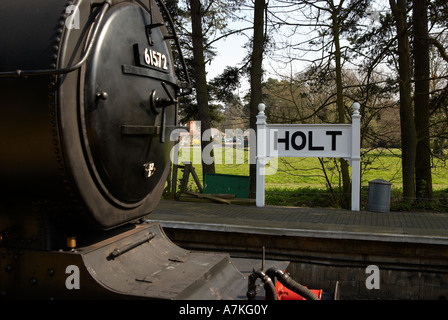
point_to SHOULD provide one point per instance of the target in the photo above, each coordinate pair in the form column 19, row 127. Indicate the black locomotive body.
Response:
column 88, row 102
column 81, row 127
column 88, row 95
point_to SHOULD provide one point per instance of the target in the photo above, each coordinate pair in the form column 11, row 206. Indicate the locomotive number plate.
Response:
column 155, row 59
column 151, row 58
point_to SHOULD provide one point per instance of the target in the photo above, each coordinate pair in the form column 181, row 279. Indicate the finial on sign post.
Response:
column 356, row 106
column 261, row 116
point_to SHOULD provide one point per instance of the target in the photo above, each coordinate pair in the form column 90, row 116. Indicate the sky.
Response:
column 231, row 51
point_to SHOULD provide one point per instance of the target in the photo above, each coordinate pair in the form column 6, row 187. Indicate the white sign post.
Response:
column 303, row 140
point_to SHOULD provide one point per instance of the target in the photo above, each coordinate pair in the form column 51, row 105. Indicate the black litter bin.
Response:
column 379, row 195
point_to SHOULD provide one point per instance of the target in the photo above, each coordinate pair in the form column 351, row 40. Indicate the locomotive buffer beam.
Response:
column 140, row 262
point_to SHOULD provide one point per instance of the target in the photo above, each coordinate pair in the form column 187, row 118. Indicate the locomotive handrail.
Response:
column 176, row 40
column 119, row 251
column 25, row 73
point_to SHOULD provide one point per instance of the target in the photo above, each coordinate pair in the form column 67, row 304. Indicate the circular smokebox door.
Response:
column 130, row 63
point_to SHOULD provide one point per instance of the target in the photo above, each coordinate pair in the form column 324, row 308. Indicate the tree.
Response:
column 201, row 79
column 223, row 86
column 336, row 29
column 408, row 133
column 208, row 23
column 423, row 178
column 330, row 21
column 438, row 104
column 256, row 76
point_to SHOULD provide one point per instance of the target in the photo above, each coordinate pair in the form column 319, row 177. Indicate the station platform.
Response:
column 324, row 247
column 411, row 227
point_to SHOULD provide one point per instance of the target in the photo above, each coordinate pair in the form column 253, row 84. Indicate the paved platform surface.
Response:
column 415, row 227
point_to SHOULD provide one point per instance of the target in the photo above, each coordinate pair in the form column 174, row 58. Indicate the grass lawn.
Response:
column 301, row 181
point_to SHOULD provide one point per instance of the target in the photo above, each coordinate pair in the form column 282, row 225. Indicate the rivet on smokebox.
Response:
column 71, row 242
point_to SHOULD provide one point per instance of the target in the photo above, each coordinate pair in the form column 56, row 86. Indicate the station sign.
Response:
column 309, row 140
column 302, row 140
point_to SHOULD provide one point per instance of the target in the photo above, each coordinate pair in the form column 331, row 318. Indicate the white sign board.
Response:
column 303, row 140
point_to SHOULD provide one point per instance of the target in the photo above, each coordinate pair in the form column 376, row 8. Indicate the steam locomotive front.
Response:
column 89, row 98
